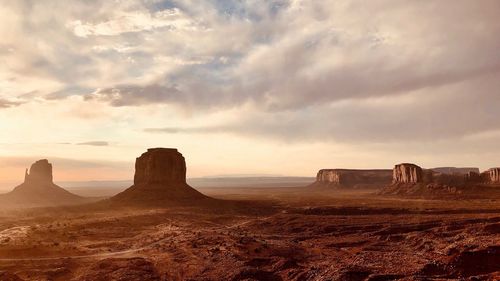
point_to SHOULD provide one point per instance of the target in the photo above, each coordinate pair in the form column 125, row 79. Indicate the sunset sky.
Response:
column 248, row 87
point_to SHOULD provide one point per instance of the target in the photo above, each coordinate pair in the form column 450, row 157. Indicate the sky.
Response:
column 271, row 87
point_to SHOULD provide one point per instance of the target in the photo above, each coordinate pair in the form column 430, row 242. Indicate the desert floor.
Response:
column 258, row 234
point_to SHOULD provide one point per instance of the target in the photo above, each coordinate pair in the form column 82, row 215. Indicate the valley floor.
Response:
column 285, row 235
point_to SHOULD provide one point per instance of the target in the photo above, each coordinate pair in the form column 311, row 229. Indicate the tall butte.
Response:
column 38, row 189
column 160, row 177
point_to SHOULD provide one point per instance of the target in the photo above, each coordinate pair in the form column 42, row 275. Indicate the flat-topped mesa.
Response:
column 413, row 181
column 39, row 173
column 456, row 170
column 407, row 173
column 160, row 166
column 353, row 178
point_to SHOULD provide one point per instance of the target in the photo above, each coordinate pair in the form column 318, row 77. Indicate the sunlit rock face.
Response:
column 160, row 166
column 412, row 181
column 407, row 173
column 493, row 175
column 329, row 176
column 39, row 173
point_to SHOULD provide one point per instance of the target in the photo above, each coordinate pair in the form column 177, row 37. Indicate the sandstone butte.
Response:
column 160, row 178
column 38, row 189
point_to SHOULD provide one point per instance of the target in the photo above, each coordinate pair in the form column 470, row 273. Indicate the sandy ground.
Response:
column 277, row 234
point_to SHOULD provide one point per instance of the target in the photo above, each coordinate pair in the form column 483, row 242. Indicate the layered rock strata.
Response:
column 493, row 175
column 407, row 173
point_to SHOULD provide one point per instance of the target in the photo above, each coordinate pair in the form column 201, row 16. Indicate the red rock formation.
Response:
column 455, row 170
column 160, row 177
column 160, row 165
column 473, row 177
column 411, row 180
column 39, row 190
column 39, row 173
column 329, row 176
column 493, row 175
column 351, row 178
column 407, row 173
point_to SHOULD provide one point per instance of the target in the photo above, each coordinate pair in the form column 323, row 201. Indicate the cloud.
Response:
column 408, row 118
column 125, row 22
column 94, row 143
column 135, row 95
column 6, row 103
column 288, row 55
column 192, row 130
column 301, row 71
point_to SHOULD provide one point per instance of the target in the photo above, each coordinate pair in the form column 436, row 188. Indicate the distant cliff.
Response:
column 349, row 178
column 411, row 180
column 454, row 170
column 492, row 176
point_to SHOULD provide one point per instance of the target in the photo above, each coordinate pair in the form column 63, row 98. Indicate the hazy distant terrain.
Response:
column 110, row 188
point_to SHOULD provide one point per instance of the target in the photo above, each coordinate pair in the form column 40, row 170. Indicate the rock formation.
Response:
column 473, row 177
column 38, row 189
column 160, row 177
column 411, row 180
column 493, row 175
column 329, row 176
column 39, row 173
column 160, row 166
column 352, row 178
column 407, row 173
column 455, row 170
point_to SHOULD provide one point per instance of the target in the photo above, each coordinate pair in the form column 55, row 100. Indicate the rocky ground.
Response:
column 291, row 236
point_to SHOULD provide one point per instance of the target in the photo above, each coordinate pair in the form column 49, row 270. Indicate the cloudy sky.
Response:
column 248, row 87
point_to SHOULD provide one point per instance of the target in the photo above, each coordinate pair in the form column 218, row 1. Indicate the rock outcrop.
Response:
column 407, row 173
column 160, row 166
column 40, row 173
column 352, row 178
column 493, row 176
column 160, row 177
column 38, row 189
column 473, row 177
column 329, row 176
column 412, row 181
